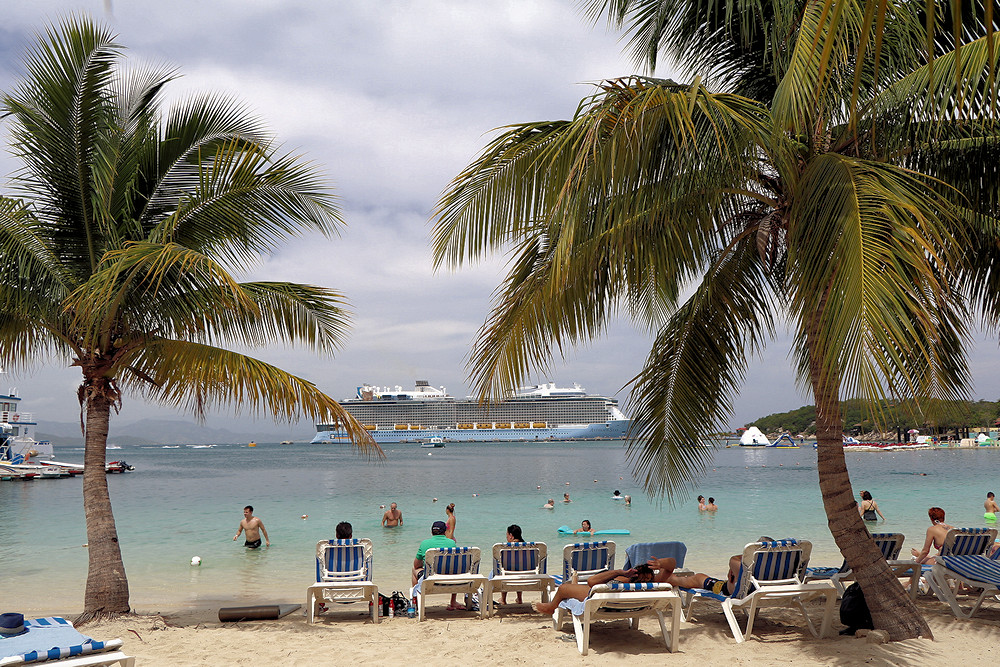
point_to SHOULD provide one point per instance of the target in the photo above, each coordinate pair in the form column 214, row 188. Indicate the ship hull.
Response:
column 610, row 430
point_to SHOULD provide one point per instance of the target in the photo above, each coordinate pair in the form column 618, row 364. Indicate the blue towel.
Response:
column 48, row 639
column 641, row 552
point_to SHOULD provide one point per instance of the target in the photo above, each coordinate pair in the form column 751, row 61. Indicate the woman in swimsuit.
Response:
column 935, row 536
column 869, row 508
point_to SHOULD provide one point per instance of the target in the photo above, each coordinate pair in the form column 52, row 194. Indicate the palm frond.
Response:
column 199, row 377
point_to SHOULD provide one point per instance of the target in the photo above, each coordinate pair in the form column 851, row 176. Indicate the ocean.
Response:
column 185, row 501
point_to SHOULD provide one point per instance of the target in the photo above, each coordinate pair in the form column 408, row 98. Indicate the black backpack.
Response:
column 854, row 610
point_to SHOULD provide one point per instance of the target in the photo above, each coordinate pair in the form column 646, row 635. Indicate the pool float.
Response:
column 566, row 530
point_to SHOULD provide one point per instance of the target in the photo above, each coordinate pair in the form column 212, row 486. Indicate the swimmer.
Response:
column 584, row 528
column 992, row 509
column 253, row 527
column 392, row 517
column 617, row 495
column 549, row 505
column 566, row 498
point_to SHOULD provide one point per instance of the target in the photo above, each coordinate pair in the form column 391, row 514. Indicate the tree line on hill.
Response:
column 859, row 418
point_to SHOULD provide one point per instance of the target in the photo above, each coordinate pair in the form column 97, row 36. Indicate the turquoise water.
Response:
column 185, row 502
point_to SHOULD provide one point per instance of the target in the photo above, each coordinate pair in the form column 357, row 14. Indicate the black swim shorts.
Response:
column 252, row 545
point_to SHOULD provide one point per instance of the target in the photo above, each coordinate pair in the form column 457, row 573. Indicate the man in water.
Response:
column 711, row 506
column 392, row 517
column 437, row 540
column 566, row 498
column 660, row 570
column 254, row 528
column 991, row 507
column 549, row 505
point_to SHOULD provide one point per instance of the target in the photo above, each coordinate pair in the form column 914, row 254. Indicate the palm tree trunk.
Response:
column 891, row 608
column 107, row 586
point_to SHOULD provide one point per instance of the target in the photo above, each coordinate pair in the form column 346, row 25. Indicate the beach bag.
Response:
column 854, row 610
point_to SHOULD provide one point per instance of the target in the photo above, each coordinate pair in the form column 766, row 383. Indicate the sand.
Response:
column 516, row 635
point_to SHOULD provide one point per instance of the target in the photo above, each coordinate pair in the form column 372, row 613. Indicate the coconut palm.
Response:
column 118, row 243
column 817, row 189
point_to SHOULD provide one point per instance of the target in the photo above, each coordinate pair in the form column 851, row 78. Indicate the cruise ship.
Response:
column 540, row 412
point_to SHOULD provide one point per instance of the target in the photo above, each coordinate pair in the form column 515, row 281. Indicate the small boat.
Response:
column 252, row 444
column 433, row 443
column 118, row 467
column 286, row 442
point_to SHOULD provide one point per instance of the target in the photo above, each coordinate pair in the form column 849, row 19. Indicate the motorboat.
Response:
column 433, row 443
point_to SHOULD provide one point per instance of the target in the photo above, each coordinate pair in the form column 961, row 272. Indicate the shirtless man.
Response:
column 660, row 570
column 991, row 506
column 254, row 528
column 711, row 506
column 392, row 517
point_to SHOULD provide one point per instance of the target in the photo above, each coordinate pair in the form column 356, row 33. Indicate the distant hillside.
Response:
column 174, row 431
column 857, row 418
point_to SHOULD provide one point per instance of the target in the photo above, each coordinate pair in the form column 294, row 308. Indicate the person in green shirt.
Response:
column 437, row 540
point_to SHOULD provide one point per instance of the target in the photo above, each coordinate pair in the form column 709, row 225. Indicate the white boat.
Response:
column 433, row 443
column 286, row 442
column 24, row 457
column 542, row 412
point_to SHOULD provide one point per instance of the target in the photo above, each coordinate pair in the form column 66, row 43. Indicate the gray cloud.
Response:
column 392, row 99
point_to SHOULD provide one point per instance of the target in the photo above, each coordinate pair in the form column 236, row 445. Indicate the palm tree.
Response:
column 824, row 187
column 117, row 247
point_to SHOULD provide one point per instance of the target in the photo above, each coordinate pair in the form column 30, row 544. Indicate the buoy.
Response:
column 538, row 487
column 475, row 495
column 430, row 454
column 305, row 516
column 435, row 500
column 567, row 483
column 381, row 507
column 196, row 560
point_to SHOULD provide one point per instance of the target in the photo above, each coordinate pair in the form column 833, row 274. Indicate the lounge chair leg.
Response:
column 727, row 609
column 582, row 631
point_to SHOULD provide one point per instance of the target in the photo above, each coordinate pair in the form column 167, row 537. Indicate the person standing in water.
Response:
column 253, row 527
column 450, row 534
column 711, row 506
column 869, row 508
column 392, row 517
column 991, row 507
column 701, row 504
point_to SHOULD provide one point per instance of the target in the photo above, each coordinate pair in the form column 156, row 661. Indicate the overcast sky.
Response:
column 392, row 99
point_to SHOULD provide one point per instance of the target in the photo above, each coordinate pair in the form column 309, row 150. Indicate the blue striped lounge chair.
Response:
column 343, row 576
column 771, row 575
column 518, row 567
column 583, row 559
column 890, row 544
column 452, row 570
column 965, row 559
column 55, row 641
column 615, row 601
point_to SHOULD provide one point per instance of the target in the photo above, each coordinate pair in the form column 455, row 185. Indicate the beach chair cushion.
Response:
column 49, row 638
column 585, row 559
column 975, row 568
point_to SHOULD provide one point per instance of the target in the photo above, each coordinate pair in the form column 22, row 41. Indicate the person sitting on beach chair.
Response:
column 660, row 570
column 935, row 536
column 436, row 541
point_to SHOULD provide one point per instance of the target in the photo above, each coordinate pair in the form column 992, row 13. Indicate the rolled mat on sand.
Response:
column 261, row 612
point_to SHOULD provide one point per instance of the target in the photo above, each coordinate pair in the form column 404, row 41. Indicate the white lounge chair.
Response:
column 965, row 559
column 519, row 567
column 771, row 576
column 890, row 545
column 344, row 575
column 584, row 559
column 615, row 601
column 55, row 641
column 450, row 571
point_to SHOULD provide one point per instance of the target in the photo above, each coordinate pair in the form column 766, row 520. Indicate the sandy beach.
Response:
column 518, row 636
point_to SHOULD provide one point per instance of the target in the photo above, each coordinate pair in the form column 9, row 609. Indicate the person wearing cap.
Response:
column 437, row 540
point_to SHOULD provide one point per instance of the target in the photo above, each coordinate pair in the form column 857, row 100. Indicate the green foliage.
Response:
column 858, row 417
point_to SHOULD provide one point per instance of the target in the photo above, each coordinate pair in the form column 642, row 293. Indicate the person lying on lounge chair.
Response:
column 659, row 570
